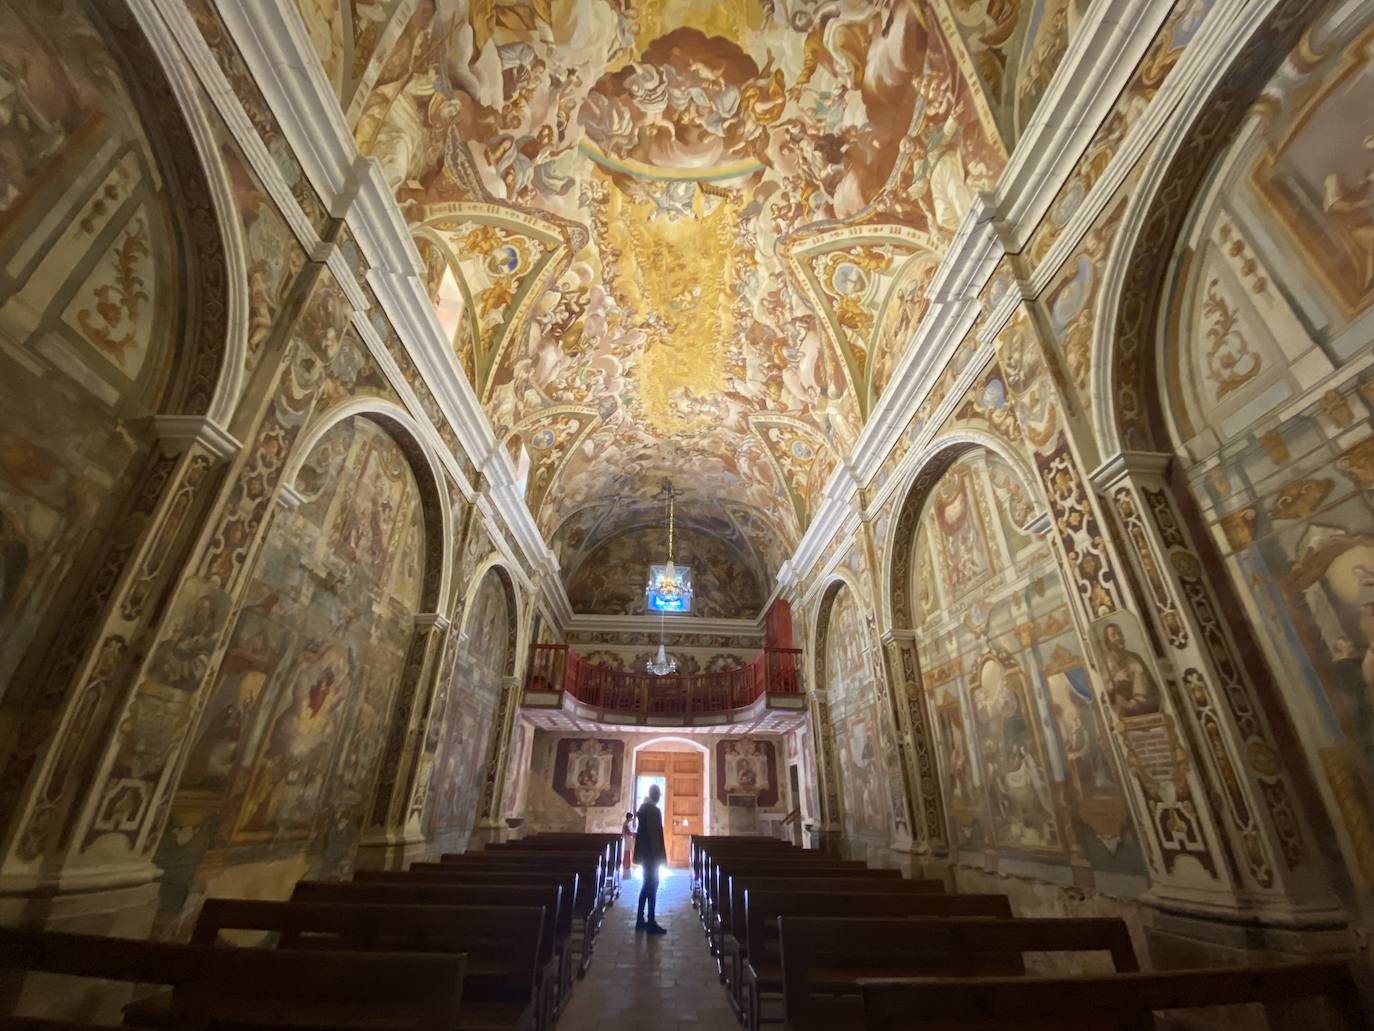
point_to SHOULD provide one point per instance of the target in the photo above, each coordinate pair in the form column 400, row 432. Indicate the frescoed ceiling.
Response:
column 678, row 238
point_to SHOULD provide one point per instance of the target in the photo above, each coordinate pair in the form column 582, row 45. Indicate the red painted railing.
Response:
column 556, row 667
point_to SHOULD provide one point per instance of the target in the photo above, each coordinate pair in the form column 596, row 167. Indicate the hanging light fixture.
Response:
column 661, row 664
column 669, row 589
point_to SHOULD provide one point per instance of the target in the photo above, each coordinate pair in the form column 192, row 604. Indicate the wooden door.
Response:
column 684, row 805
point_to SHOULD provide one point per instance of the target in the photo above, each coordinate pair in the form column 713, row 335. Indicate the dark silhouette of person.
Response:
column 650, row 854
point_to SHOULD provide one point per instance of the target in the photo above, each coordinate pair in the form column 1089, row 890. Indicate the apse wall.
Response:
column 585, row 781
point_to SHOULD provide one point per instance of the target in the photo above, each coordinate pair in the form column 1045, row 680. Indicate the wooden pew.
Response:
column 614, row 843
column 491, row 899
column 587, row 905
column 601, row 851
column 502, row 943
column 763, row 975
column 440, row 873
column 734, row 945
column 710, row 854
column 813, row 866
column 1111, row 1002
column 713, row 859
column 701, row 844
column 823, row 958
column 276, row 988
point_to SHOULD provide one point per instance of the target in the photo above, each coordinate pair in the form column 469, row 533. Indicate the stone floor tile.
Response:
column 658, row 984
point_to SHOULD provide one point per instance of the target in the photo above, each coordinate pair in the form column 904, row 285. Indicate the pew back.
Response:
column 823, row 958
column 1108, row 1002
column 276, row 988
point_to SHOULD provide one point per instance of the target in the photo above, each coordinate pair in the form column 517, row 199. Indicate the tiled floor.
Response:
column 639, row 982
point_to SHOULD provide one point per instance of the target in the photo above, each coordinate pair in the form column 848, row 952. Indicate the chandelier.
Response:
column 669, row 590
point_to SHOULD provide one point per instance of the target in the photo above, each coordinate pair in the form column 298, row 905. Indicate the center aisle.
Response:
column 641, row 982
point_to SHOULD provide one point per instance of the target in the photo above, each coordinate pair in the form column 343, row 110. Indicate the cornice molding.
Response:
column 1098, row 66
column 1148, row 465
column 181, row 432
column 585, row 623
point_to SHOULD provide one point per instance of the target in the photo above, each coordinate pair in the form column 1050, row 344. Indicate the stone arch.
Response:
column 497, row 563
column 409, row 436
column 829, row 793
column 474, row 716
column 216, row 278
column 1143, row 425
column 706, row 762
column 190, row 376
column 899, row 547
column 860, row 730
column 1127, row 414
column 224, row 298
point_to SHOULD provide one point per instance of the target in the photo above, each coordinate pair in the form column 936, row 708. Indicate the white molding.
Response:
column 182, row 431
column 197, row 52
column 276, row 49
column 1170, row 116
column 1100, row 61
column 288, row 497
column 433, row 620
column 1147, row 464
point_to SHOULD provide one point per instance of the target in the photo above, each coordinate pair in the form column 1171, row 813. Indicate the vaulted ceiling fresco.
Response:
column 681, row 238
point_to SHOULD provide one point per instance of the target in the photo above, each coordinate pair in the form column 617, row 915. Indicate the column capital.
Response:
column 1150, row 464
column 433, row 620
column 288, row 497
column 181, row 432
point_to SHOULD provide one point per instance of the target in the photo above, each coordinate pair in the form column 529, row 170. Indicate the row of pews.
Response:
column 817, row 943
column 490, row 940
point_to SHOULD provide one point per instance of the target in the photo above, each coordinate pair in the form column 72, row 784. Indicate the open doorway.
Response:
column 679, row 775
column 642, row 782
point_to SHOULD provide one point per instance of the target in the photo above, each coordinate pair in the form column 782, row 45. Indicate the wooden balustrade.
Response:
column 556, row 667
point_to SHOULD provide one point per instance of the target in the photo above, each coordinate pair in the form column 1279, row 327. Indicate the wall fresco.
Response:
column 588, row 771
column 88, row 309
column 473, row 693
column 594, row 175
column 852, row 691
column 1028, row 764
column 285, row 757
column 611, row 579
column 1278, row 458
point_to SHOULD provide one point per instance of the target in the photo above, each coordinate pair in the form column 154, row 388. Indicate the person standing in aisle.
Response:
column 650, row 854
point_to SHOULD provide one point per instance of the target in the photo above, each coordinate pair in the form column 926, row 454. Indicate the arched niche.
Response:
column 1027, row 766
column 119, row 306
column 857, row 735
column 282, row 768
column 472, row 718
column 1244, row 363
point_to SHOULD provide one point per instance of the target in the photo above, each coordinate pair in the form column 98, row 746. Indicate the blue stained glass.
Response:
column 679, row 600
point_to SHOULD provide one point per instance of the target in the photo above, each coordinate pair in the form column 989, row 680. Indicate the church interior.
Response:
column 930, row 441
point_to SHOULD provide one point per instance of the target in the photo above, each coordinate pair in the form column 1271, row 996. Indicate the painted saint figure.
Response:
column 1131, row 687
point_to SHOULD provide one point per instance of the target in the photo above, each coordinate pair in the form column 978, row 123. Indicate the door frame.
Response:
column 652, row 745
